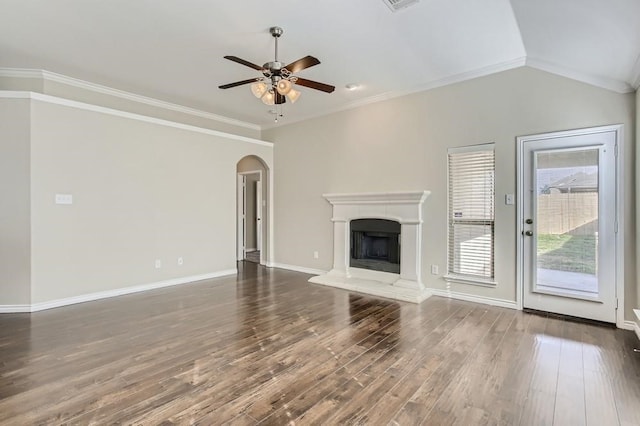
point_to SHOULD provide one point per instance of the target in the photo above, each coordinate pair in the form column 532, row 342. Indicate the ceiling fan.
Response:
column 278, row 79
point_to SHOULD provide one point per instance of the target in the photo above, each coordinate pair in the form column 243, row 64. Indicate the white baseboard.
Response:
column 14, row 309
column 473, row 298
column 633, row 326
column 41, row 306
column 302, row 269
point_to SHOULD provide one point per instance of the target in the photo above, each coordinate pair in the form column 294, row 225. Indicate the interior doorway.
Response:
column 251, row 210
column 568, row 216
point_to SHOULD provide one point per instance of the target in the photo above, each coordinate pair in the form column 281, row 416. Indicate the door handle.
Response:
column 527, row 233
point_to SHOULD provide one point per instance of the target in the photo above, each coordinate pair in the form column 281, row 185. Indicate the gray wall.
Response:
column 401, row 144
column 141, row 192
column 15, row 232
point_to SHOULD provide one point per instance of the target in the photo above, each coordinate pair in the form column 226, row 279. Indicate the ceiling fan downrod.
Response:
column 276, row 32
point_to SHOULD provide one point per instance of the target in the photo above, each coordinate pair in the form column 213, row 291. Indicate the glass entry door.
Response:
column 569, row 225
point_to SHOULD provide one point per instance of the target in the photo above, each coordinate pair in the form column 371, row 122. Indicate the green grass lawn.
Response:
column 572, row 253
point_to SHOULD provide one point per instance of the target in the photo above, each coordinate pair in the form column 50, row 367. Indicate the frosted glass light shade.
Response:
column 284, row 87
column 258, row 89
column 293, row 95
column 269, row 98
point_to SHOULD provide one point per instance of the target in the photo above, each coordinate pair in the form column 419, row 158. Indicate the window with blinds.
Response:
column 471, row 213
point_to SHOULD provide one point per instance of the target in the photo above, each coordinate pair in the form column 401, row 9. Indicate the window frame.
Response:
column 464, row 278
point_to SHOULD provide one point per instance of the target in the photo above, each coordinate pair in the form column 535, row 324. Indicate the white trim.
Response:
column 9, row 94
column 631, row 326
column 602, row 82
column 619, row 215
column 113, row 293
column 510, row 304
column 128, row 290
column 519, row 221
column 620, row 206
column 295, row 268
column 97, row 88
column 397, row 197
column 469, row 75
column 461, row 279
column 238, row 218
column 14, row 309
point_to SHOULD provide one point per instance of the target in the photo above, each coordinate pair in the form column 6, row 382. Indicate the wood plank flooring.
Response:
column 267, row 347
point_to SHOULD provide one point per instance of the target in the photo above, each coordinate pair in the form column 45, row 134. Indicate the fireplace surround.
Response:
column 404, row 208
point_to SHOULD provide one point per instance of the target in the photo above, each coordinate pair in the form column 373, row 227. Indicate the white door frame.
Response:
column 619, row 216
column 241, row 228
column 259, row 212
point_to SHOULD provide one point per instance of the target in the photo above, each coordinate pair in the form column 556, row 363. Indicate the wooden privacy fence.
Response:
column 573, row 213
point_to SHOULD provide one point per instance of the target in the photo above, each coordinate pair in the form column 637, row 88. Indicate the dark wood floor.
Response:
column 269, row 347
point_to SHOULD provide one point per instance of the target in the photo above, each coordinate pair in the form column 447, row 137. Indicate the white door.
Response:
column 569, row 223
column 259, row 217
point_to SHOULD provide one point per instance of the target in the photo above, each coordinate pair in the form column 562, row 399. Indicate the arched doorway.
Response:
column 253, row 214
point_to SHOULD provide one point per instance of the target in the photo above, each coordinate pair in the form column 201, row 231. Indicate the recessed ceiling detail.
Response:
column 174, row 52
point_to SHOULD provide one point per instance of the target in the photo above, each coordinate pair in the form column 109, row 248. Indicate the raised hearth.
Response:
column 402, row 207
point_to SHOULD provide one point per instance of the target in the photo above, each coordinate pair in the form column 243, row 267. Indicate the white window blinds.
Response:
column 471, row 212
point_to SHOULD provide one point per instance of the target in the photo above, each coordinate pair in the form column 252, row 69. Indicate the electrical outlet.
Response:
column 64, row 199
column 315, row 255
column 434, row 269
column 158, row 263
column 180, row 261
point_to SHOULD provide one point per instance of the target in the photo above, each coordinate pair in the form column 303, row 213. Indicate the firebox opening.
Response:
column 375, row 244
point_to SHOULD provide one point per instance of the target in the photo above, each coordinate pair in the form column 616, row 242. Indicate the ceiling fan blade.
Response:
column 279, row 99
column 302, row 63
column 238, row 83
column 243, row 62
column 315, row 85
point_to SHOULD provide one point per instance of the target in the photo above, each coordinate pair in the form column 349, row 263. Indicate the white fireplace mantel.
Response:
column 404, row 207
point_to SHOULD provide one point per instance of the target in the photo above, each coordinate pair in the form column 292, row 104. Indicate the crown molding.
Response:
column 469, row 75
column 602, row 82
column 97, row 88
column 8, row 94
column 635, row 75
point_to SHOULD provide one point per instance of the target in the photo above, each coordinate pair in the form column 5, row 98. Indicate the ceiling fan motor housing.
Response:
column 273, row 66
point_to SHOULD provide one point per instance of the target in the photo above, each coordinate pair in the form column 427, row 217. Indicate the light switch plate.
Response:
column 509, row 199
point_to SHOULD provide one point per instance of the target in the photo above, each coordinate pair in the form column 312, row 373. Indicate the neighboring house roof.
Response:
column 580, row 181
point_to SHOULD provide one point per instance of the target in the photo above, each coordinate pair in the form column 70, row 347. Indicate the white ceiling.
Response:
column 173, row 50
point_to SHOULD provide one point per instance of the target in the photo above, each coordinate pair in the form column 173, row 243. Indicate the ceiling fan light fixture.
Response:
column 258, row 89
column 269, row 98
column 293, row 95
column 275, row 85
column 284, row 86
